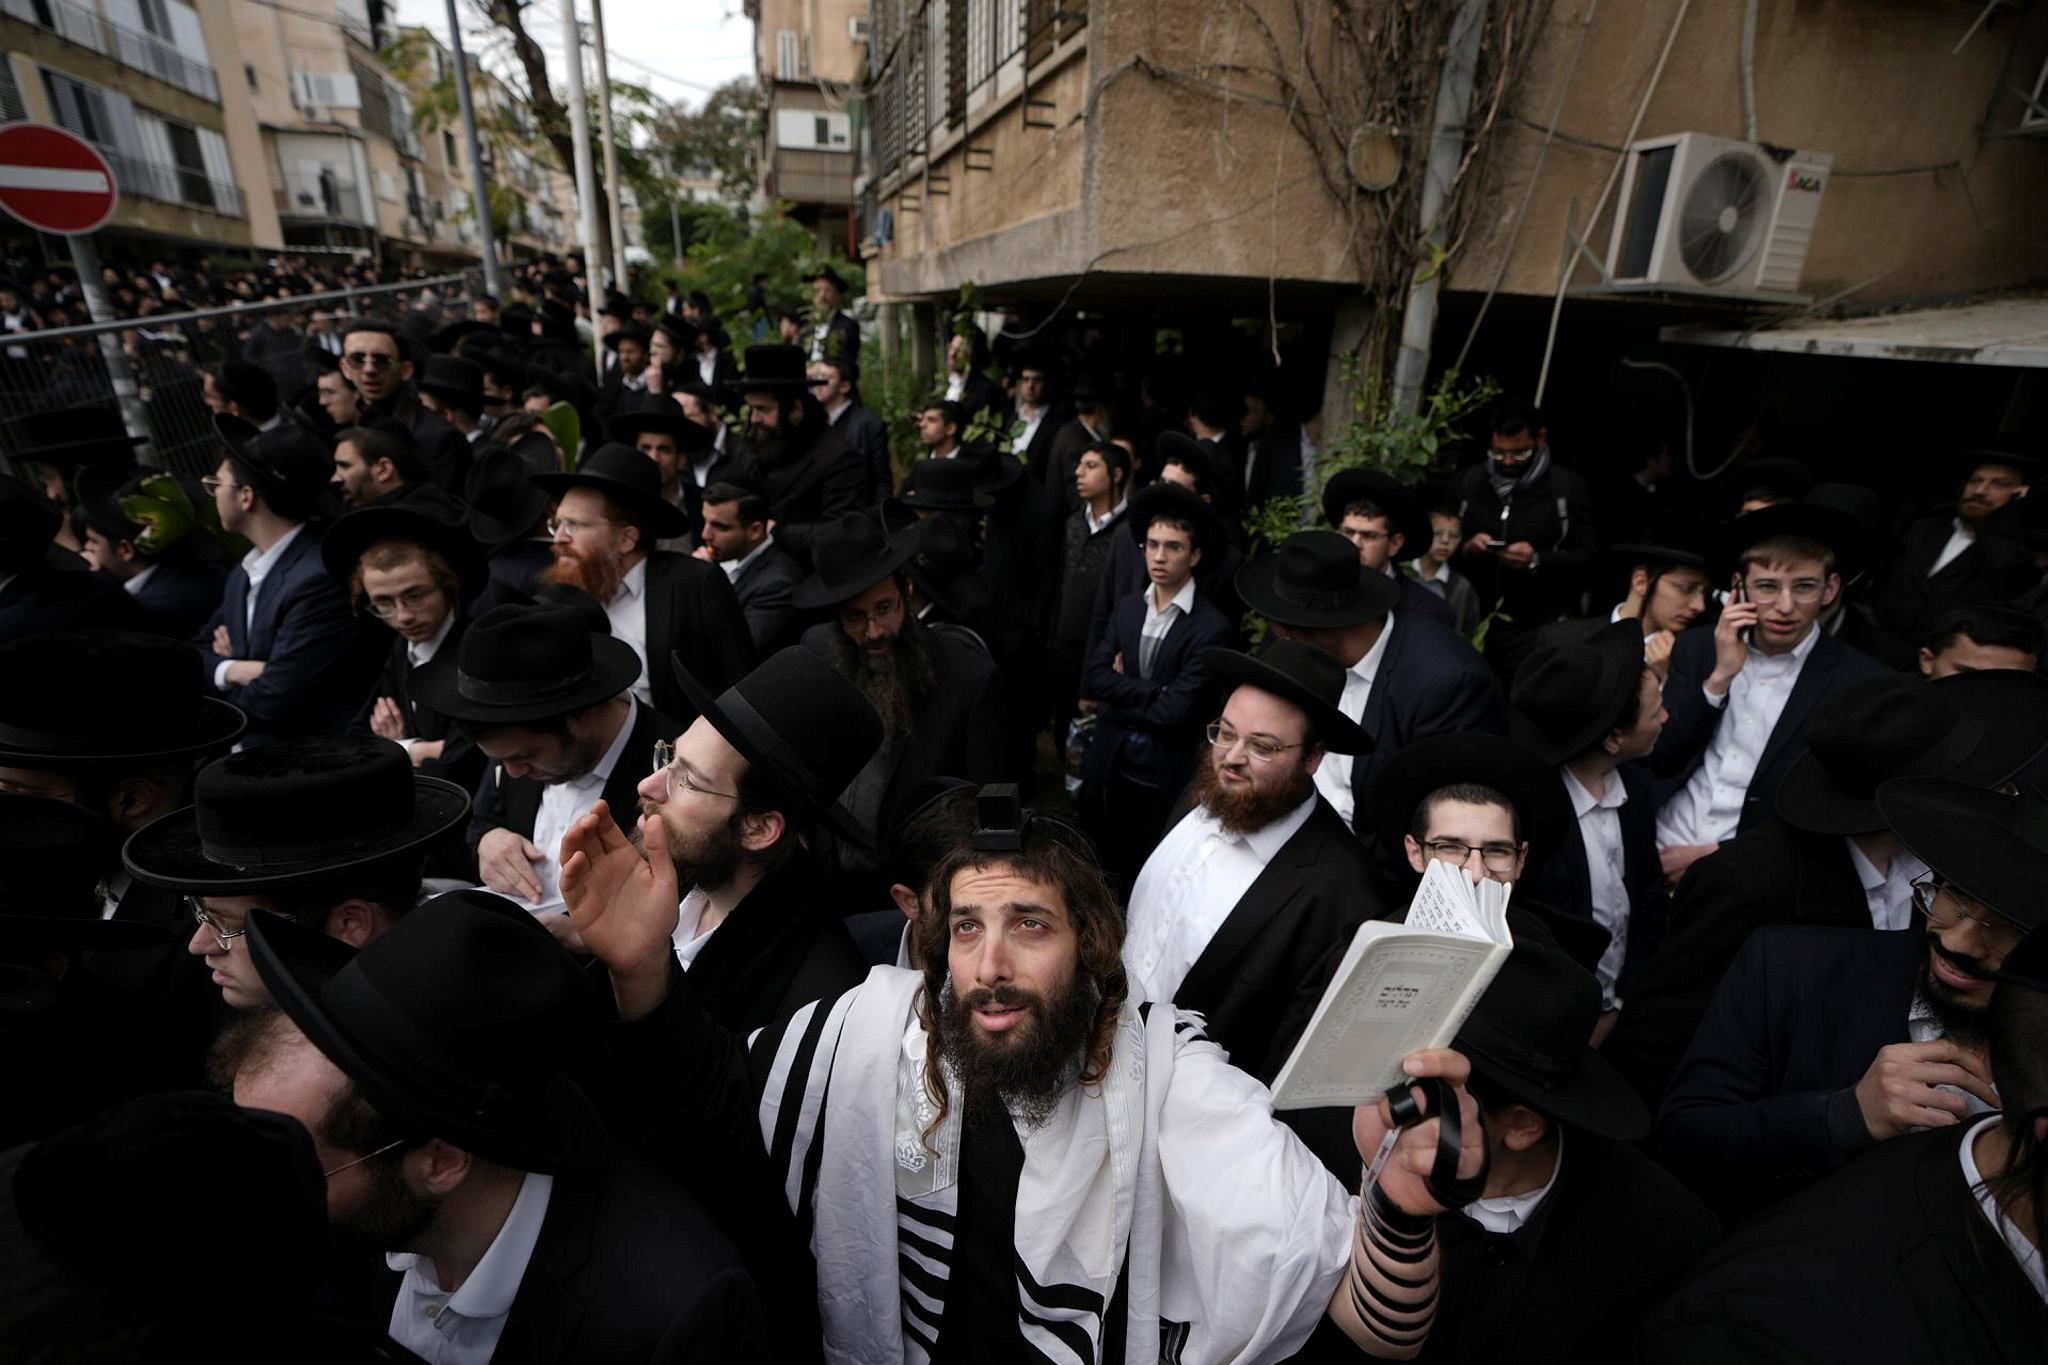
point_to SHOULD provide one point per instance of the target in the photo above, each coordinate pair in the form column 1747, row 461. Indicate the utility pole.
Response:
column 479, row 192
column 611, row 151
column 586, row 191
column 675, row 229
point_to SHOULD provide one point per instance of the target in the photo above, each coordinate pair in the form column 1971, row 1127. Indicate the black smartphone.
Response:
column 1742, row 595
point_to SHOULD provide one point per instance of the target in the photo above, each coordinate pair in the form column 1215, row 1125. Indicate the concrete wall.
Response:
column 220, row 21
column 822, row 34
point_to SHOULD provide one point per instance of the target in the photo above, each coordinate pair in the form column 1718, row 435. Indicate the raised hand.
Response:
column 1900, row 1090
column 1404, row 1177
column 386, row 721
column 624, row 906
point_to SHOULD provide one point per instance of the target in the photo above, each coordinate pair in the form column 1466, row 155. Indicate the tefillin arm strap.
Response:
column 1442, row 1181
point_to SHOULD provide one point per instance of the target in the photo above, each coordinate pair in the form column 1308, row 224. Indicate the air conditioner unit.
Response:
column 858, row 27
column 1714, row 214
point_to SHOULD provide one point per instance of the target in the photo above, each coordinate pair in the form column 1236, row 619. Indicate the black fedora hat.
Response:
column 1781, row 478
column 1533, row 786
column 1527, row 1036
column 357, row 531
column 456, row 1024
column 1301, row 675
column 28, row 525
column 557, row 320
column 994, row 469
column 561, row 386
column 504, row 505
column 664, row 420
column 628, row 478
column 1176, row 502
column 107, row 699
column 1315, row 580
column 91, row 434
column 1975, row 728
column 2027, row 965
column 288, row 466
column 827, row 273
column 1567, row 697
column 525, row 663
column 945, row 485
column 1845, row 517
column 501, row 361
column 1406, row 516
column 2005, row 451
column 449, row 338
column 52, row 855
column 1092, row 388
column 775, row 368
column 1198, row 457
column 455, row 379
column 516, row 319
column 943, row 567
column 628, row 331
column 805, row 728
column 1670, row 538
column 850, row 554
column 1992, row 845
column 292, row 811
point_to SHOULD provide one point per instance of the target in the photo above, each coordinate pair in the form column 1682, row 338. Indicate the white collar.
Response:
column 1368, row 665
column 631, row 585
column 735, row 567
column 1184, row 599
column 2025, row 1252
column 832, row 414
column 135, row 580
column 491, row 1287
column 1510, row 1212
column 1442, row 574
column 1798, row 653
column 1267, row 840
column 602, row 772
column 1612, row 797
column 1096, row 527
column 423, row 651
column 257, row 563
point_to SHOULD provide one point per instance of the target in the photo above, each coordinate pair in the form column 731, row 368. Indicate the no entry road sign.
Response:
column 54, row 181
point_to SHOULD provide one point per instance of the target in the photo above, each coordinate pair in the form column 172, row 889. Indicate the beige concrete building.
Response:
column 809, row 56
column 142, row 80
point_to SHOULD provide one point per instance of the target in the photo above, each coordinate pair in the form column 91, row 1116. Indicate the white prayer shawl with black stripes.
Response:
column 1230, row 1236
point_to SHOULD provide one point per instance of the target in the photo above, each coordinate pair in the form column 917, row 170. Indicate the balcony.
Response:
column 184, row 185
column 811, row 177
column 326, row 198
column 144, row 52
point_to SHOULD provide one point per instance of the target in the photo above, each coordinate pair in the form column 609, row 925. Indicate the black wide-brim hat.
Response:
column 1301, row 675
column 1405, row 514
column 1567, row 697
column 1314, row 581
column 1848, row 537
column 108, row 699
column 629, row 478
column 806, row 729
column 92, row 434
column 1528, row 1038
column 1533, row 786
column 994, row 469
column 945, row 486
column 453, row 377
column 1980, row 729
column 504, row 504
column 358, row 530
column 665, row 420
column 850, row 554
column 295, row 811
column 826, row 272
column 1175, row 502
column 447, row 339
column 1991, row 845
column 629, row 331
column 463, row 972
column 54, row 853
column 1671, row 538
column 1966, row 461
column 525, row 663
column 681, row 333
column 776, row 368
column 943, row 567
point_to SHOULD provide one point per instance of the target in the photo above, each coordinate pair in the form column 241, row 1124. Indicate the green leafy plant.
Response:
column 167, row 516
column 567, row 428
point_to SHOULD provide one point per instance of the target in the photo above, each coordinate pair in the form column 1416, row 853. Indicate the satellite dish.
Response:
column 1721, row 220
column 1374, row 158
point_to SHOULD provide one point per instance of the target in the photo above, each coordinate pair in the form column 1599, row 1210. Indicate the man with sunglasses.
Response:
column 373, row 358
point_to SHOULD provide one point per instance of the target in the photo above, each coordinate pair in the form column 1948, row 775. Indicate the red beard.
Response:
column 600, row 578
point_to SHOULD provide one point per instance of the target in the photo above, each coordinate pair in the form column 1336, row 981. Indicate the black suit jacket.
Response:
column 841, row 340
column 1430, row 682
column 1764, row 1100
column 1649, row 904
column 1890, row 1261
column 1058, row 472
column 1274, row 465
column 519, row 565
column 1995, row 568
column 1148, row 728
column 1039, row 449
column 514, row 802
column 629, row 1269
column 692, row 611
column 863, row 433
column 1259, row 979
column 1772, row 874
column 764, row 588
column 1417, row 600
column 823, row 481
column 47, row 598
column 775, row 953
column 1683, row 745
column 179, row 596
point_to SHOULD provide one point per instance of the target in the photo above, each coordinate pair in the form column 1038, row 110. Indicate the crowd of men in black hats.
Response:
column 515, row 866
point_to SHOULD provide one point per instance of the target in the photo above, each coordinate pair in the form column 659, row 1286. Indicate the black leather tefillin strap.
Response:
column 1442, row 1181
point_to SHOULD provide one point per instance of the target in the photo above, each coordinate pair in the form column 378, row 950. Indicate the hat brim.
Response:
column 1596, row 1098
column 1335, row 731
column 974, row 502
column 1257, row 584
column 662, row 519
column 357, row 531
column 437, row 685
column 1008, row 469
column 1837, row 530
column 553, row 1129
column 690, row 437
column 466, row 396
column 218, row 726
column 815, row 592
column 169, row 853
column 1541, row 806
column 1165, row 499
column 782, row 772
column 67, row 933
column 1409, row 519
column 1638, row 553
column 1622, row 652
column 1975, row 838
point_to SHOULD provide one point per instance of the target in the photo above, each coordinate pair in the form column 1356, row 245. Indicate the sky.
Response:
column 680, row 49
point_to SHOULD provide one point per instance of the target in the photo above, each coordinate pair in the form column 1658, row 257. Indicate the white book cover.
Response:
column 1400, row 987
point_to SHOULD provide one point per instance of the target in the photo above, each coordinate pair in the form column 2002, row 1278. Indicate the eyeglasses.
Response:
column 1358, row 537
column 1929, row 891
column 213, row 483
column 412, row 599
column 673, row 777
column 370, row 360
column 884, row 612
column 560, row 526
column 1258, row 746
column 1805, row 592
column 367, row 1156
column 205, row 917
column 1493, row 857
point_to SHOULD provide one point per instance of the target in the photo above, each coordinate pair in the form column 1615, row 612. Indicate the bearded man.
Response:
column 794, row 451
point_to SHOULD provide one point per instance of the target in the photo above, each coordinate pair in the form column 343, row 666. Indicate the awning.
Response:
column 2009, row 331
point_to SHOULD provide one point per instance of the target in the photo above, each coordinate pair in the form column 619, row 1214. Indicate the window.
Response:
column 786, row 56
column 823, row 126
column 448, row 149
column 249, row 74
column 11, row 108
column 80, row 108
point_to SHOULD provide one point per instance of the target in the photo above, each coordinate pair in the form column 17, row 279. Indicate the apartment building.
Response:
column 809, row 58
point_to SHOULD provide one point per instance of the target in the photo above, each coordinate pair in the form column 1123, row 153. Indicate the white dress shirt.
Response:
column 1959, row 540
column 1021, row 442
column 257, row 564
column 735, row 567
column 1438, row 582
column 1095, row 523
column 707, row 366
column 690, row 914
column 1187, row 888
column 116, row 887
column 1709, row 807
column 628, row 614
column 956, row 384
column 1507, row 1214
column 463, row 1328
column 561, row 804
column 1333, row 775
column 1889, row 893
column 1606, row 869
column 418, row 652
column 133, row 584
column 1159, row 620
column 2023, row 1251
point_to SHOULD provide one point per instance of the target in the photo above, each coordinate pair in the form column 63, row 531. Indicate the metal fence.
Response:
column 65, row 367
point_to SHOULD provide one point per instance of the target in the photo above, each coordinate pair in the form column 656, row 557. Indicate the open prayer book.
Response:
column 1400, row 987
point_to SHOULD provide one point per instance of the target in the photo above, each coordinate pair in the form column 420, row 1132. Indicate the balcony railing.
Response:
column 173, row 184
column 144, row 52
column 336, row 200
